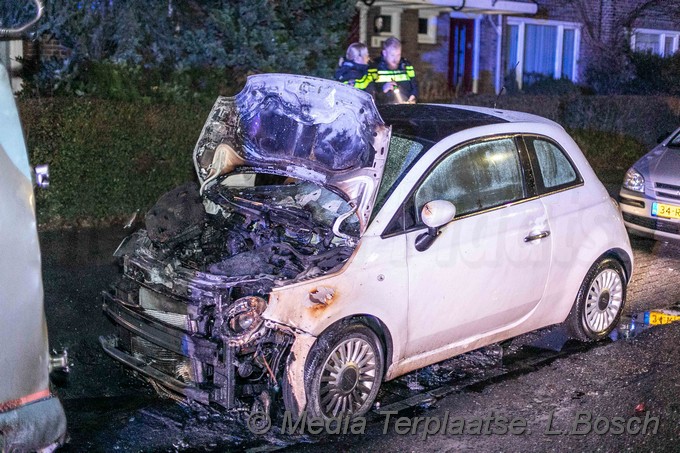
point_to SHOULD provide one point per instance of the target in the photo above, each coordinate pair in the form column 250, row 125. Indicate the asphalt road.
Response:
column 108, row 409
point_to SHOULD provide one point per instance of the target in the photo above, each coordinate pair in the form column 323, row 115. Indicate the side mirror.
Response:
column 434, row 214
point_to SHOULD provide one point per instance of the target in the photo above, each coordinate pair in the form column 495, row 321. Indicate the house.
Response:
column 478, row 46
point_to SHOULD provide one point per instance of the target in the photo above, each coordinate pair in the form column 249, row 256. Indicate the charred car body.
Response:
column 299, row 267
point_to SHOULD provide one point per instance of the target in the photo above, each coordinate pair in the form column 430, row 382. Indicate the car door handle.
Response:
column 537, row 236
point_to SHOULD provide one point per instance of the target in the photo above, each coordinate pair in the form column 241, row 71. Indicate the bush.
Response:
column 613, row 131
column 641, row 117
column 610, row 154
column 108, row 159
column 544, row 85
column 152, row 49
column 644, row 118
column 654, row 75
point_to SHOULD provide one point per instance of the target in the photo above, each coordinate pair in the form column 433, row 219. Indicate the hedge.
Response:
column 612, row 131
column 109, row 159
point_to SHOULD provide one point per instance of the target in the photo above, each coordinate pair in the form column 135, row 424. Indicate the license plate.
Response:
column 665, row 210
column 654, row 318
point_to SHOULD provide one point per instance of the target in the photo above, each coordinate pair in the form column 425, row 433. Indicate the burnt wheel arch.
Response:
column 376, row 325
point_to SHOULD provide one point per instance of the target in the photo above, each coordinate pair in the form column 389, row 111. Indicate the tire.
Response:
column 599, row 303
column 344, row 371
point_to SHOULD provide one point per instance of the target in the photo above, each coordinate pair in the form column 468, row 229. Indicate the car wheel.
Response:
column 599, row 302
column 344, row 371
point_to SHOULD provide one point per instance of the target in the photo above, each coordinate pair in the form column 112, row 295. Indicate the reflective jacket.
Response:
column 404, row 76
column 353, row 74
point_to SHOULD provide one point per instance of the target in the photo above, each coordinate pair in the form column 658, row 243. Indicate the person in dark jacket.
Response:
column 353, row 68
column 392, row 78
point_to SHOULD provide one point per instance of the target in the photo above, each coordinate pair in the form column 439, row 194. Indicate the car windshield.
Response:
column 404, row 152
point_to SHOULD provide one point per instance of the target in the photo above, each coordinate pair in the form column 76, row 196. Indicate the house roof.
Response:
column 468, row 6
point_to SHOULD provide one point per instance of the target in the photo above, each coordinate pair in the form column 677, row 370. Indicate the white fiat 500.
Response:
column 330, row 246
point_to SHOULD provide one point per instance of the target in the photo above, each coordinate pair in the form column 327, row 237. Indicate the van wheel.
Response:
column 344, row 371
column 599, row 303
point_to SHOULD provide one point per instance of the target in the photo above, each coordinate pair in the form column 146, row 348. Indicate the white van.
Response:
column 31, row 416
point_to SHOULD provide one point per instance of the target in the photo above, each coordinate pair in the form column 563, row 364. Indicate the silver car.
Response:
column 650, row 194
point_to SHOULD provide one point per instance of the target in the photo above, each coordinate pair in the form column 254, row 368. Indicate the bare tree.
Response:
column 606, row 32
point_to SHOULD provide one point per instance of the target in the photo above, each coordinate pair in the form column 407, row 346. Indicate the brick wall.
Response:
column 605, row 22
column 50, row 47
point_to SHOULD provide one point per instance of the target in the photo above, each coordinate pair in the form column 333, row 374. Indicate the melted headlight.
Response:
column 240, row 323
column 244, row 318
column 634, row 180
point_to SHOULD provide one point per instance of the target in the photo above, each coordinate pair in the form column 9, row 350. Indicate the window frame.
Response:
column 541, row 190
column 395, row 25
column 431, row 15
column 662, row 35
column 521, row 23
column 395, row 225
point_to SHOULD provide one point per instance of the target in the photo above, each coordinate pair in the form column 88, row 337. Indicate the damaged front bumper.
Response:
column 163, row 352
column 191, row 364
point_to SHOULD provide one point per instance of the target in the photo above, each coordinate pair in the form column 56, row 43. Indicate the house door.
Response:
column 460, row 55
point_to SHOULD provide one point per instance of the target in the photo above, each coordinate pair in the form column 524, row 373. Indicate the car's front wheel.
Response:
column 344, row 371
column 599, row 303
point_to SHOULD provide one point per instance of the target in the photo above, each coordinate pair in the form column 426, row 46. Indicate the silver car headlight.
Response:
column 634, row 180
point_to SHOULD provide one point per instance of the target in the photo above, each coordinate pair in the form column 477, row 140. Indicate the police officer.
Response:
column 353, row 69
column 392, row 78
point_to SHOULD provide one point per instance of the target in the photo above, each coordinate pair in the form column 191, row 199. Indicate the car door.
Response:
column 488, row 268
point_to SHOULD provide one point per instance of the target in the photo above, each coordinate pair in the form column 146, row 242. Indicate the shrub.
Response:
column 644, row 118
column 155, row 49
column 108, row 159
column 654, row 74
column 609, row 153
column 544, row 85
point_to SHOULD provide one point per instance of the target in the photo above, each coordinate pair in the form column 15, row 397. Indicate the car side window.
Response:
column 555, row 168
column 475, row 177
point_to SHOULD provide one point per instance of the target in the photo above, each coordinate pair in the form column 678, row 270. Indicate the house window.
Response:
column 422, row 26
column 427, row 26
column 386, row 24
column 541, row 49
column 660, row 42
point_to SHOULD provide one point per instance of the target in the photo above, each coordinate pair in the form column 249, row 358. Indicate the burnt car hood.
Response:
column 302, row 127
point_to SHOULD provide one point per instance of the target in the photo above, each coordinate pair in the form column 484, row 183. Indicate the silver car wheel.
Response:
column 348, row 376
column 605, row 297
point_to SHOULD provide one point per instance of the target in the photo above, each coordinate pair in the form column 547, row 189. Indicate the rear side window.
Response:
column 556, row 170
